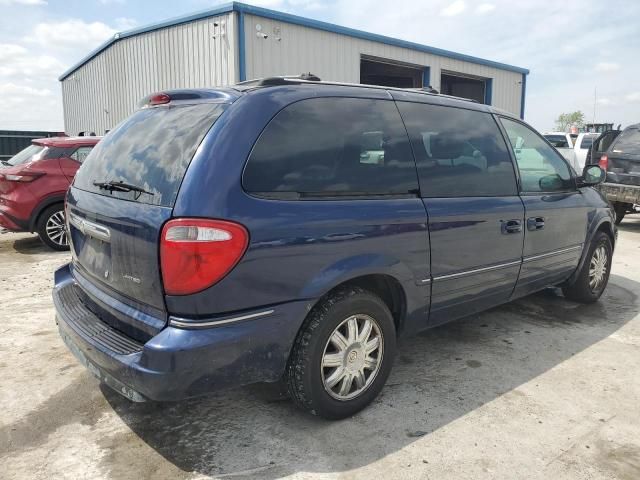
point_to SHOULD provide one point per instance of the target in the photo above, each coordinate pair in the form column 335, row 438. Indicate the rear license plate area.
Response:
column 93, row 254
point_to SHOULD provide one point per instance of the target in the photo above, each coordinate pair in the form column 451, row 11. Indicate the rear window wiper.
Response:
column 113, row 185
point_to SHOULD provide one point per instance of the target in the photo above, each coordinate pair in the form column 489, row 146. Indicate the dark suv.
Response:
column 620, row 158
column 291, row 229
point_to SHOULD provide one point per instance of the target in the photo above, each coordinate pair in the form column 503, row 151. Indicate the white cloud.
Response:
column 633, row 97
column 453, row 9
column 605, row 101
column 17, row 62
column 22, row 2
column 71, row 33
column 485, row 8
column 125, row 23
column 13, row 91
column 9, row 51
column 607, row 67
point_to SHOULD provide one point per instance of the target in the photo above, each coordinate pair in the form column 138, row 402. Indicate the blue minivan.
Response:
column 287, row 229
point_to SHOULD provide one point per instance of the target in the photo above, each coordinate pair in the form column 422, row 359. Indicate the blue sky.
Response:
column 571, row 47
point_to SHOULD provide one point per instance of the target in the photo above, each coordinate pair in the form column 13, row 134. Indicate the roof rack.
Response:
column 280, row 80
column 311, row 78
column 429, row 89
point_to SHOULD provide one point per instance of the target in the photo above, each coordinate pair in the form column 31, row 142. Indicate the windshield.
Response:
column 627, row 142
column 149, row 151
column 25, row 155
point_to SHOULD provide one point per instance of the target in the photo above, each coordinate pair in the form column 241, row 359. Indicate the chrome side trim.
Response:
column 424, row 281
column 551, row 254
column 477, row 270
column 178, row 322
column 89, row 228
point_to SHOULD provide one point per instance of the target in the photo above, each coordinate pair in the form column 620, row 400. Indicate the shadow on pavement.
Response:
column 29, row 245
column 439, row 376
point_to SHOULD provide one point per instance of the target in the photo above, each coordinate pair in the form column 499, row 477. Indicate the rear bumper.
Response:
column 177, row 363
column 12, row 223
column 617, row 192
column 15, row 209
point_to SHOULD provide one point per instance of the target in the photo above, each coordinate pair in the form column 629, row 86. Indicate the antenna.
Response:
column 595, row 96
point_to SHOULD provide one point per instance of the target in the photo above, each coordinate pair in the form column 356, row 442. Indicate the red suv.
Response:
column 33, row 184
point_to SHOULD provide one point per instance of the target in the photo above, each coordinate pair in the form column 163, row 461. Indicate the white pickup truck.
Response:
column 581, row 147
column 564, row 143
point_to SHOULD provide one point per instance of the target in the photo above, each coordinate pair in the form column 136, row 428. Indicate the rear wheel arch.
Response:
column 385, row 286
column 41, row 207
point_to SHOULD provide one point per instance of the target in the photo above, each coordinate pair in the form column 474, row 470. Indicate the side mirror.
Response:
column 551, row 183
column 591, row 175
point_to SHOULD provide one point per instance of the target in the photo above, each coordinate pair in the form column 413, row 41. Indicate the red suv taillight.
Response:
column 196, row 253
column 604, row 162
column 23, row 177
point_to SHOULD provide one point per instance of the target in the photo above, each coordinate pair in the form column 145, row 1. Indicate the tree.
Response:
column 566, row 120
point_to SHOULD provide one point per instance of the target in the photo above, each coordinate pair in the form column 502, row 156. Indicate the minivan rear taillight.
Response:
column 604, row 162
column 196, row 253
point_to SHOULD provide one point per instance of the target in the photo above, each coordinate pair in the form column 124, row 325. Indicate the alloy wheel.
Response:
column 352, row 357
column 598, row 268
column 56, row 229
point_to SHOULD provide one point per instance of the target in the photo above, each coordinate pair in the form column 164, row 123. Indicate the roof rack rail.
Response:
column 429, row 89
column 311, row 78
column 281, row 80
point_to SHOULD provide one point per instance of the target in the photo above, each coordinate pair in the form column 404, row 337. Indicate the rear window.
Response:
column 587, row 141
column 326, row 147
column 558, row 141
column 151, row 150
column 627, row 142
column 26, row 155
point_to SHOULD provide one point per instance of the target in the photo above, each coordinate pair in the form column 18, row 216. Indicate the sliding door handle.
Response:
column 510, row 226
column 535, row 223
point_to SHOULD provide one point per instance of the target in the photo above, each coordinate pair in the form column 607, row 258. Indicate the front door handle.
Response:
column 535, row 223
column 510, row 226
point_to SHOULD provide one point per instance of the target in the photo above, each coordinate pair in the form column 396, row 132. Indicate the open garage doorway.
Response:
column 375, row 71
column 473, row 88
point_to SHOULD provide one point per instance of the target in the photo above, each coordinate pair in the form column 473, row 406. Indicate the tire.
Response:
column 308, row 383
column 48, row 228
column 620, row 210
column 582, row 290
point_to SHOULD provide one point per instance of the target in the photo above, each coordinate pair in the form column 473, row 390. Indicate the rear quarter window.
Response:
column 325, row 147
column 151, row 149
column 627, row 142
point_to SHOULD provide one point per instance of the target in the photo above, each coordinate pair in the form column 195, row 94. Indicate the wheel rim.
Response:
column 598, row 268
column 56, row 229
column 352, row 357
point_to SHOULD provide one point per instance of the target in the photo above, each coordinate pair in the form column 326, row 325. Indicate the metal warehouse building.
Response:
column 236, row 42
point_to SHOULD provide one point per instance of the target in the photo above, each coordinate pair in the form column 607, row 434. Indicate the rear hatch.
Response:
column 624, row 157
column 121, row 197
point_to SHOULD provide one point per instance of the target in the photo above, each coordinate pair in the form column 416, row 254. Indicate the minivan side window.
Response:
column 327, row 147
column 459, row 152
column 541, row 168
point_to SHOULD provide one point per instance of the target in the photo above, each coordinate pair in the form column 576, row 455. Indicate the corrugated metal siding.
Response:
column 12, row 141
column 106, row 90
column 336, row 57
